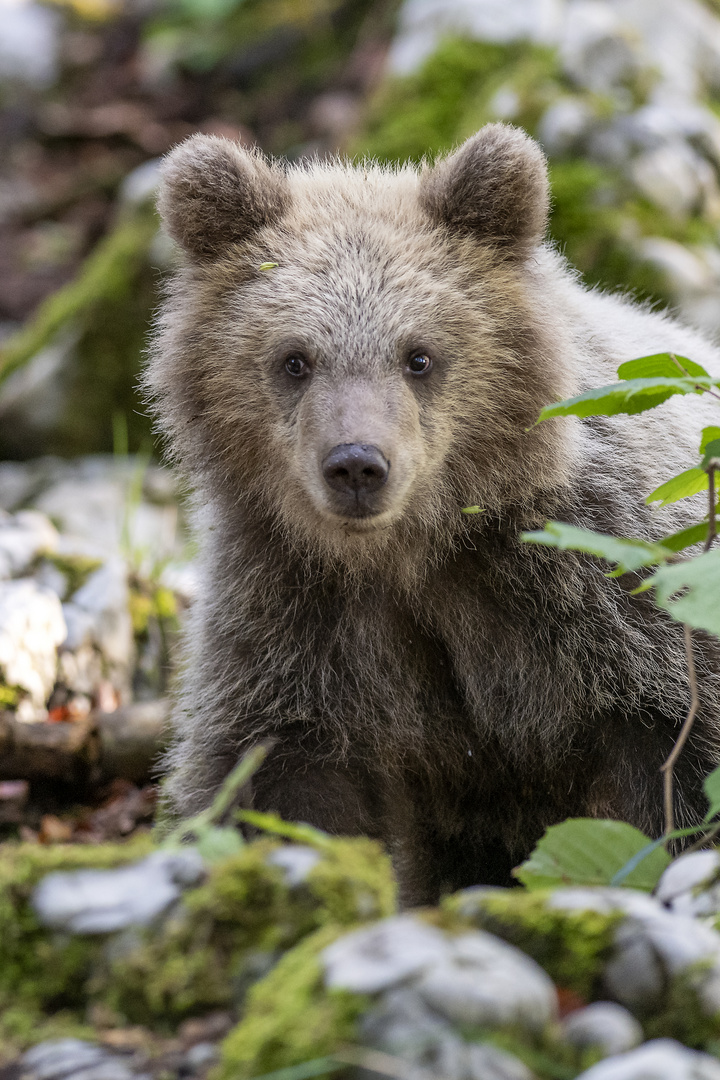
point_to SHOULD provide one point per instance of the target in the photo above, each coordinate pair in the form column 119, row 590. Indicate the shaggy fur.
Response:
column 428, row 678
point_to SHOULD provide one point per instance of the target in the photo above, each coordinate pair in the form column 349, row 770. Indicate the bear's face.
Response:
column 362, row 380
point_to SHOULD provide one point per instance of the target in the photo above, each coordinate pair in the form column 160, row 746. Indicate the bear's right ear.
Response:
column 495, row 186
column 213, row 193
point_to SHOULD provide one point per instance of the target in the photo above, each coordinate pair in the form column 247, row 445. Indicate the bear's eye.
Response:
column 419, row 363
column 296, row 365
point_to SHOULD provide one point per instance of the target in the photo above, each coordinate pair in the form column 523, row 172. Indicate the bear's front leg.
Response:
column 341, row 799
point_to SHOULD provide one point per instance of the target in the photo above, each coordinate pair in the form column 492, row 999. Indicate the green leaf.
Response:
column 709, row 434
column 660, row 365
column 711, row 455
column 217, row 844
column 711, row 787
column 685, row 538
column 680, row 487
column 305, row 1070
column 690, row 591
column 472, row 510
column 272, row 823
column 630, row 397
column 628, row 555
column 591, row 851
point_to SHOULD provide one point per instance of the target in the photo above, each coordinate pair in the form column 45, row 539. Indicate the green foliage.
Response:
column 627, row 555
column 711, row 787
column 647, row 382
column 590, row 851
column 690, row 591
column 290, row 1018
column 686, row 483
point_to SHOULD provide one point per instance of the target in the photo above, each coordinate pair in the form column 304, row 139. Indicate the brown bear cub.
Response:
column 347, row 358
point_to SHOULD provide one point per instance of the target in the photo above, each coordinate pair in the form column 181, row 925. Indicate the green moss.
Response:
column 354, row 881
column 290, row 1017
column 235, row 925
column 449, row 98
column 572, row 946
column 106, row 274
column 41, row 971
column 9, row 696
column 76, row 568
column 597, row 218
column 198, row 960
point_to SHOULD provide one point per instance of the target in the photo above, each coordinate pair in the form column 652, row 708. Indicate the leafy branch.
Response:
column 686, row 588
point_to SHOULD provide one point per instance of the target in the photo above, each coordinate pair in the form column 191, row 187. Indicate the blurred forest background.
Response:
column 95, row 563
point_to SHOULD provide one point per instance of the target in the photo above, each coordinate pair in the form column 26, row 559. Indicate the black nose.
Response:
column 355, row 469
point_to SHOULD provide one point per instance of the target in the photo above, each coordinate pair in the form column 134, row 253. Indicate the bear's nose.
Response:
column 355, row 468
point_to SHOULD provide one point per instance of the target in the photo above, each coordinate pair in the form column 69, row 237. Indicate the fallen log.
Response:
column 125, row 743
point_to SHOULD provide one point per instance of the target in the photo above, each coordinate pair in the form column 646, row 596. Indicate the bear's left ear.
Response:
column 495, row 185
column 214, row 192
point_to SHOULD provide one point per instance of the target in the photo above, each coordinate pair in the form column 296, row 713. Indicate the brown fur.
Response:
column 428, row 678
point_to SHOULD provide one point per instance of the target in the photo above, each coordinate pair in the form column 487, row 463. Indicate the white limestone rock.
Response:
column 31, row 629
column 23, row 536
column 660, row 1059
column 105, row 901
column 604, row 1026
column 483, row 981
column 383, row 955
column 691, row 884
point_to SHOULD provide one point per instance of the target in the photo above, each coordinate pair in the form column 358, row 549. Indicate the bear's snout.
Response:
column 356, row 471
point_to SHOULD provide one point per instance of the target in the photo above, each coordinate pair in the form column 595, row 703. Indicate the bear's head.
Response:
column 357, row 352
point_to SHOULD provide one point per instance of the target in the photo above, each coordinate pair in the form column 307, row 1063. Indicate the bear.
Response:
column 347, row 356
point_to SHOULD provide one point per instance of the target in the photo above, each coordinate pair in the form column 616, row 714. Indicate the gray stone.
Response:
column 383, row 955
column 23, row 536
column 564, row 123
column 603, row 1025
column 99, row 614
column 105, row 901
column 200, row 1056
column 661, row 1059
column 296, row 861
column 61, row 1058
column 652, row 945
column 596, row 48
column 423, row 23
column 403, row 1025
column 691, row 884
column 674, row 177
column 486, row 1062
column 483, row 981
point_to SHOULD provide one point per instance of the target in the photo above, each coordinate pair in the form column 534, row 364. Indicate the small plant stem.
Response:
column 668, row 768
column 686, row 373
column 712, row 526
column 706, row 838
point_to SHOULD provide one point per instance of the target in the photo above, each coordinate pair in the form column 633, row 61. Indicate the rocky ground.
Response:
column 95, row 573
column 289, row 961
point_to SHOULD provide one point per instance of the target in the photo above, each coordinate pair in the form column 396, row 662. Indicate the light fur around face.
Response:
column 427, row 677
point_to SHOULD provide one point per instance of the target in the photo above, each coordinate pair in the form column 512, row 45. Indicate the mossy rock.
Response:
column 290, row 1017
column 572, row 946
column 205, row 954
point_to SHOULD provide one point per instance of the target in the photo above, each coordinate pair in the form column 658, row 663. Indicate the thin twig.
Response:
column 707, row 838
column 668, row 768
column 712, row 528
